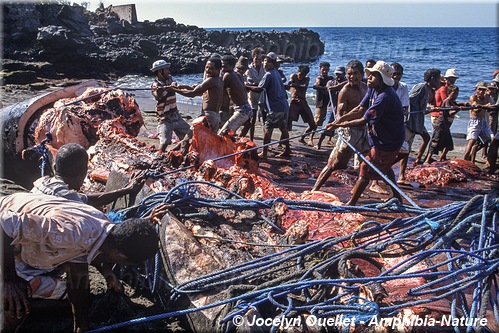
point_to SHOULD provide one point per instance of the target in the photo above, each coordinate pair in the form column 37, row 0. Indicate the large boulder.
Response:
column 79, row 43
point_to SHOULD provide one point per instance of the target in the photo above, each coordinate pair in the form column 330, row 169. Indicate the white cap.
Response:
column 451, row 72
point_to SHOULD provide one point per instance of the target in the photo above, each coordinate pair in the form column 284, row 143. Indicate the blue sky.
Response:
column 316, row 13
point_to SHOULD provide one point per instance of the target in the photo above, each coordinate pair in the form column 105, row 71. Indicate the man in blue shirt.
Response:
column 276, row 103
column 384, row 117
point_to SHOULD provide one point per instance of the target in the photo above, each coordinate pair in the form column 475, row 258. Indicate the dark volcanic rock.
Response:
column 82, row 44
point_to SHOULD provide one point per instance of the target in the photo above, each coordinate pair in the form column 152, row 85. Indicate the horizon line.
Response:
column 311, row 27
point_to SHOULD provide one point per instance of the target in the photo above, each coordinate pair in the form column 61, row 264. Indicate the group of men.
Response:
column 55, row 229
column 232, row 92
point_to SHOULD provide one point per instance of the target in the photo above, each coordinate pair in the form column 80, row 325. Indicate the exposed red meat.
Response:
column 80, row 122
column 444, row 173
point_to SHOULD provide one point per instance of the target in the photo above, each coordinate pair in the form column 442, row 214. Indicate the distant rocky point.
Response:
column 59, row 41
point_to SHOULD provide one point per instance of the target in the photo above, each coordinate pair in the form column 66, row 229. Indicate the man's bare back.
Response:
column 235, row 88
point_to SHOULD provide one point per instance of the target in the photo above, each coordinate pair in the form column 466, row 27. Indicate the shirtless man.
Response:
column 211, row 89
column 478, row 129
column 298, row 84
column 349, row 97
column 235, row 92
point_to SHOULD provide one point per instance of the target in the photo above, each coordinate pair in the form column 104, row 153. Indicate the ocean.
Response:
column 471, row 51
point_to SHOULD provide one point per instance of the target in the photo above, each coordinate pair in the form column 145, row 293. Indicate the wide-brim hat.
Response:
column 451, row 72
column 159, row 64
column 385, row 70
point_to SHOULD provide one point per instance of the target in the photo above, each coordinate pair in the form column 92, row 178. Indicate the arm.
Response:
column 16, row 291
column 106, row 269
column 355, row 114
column 102, row 199
column 193, row 91
column 317, row 85
column 78, row 294
column 347, row 123
column 337, row 86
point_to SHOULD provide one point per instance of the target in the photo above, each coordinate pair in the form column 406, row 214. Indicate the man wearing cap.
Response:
column 479, row 132
column 276, row 104
column 441, row 94
column 169, row 119
column 384, row 116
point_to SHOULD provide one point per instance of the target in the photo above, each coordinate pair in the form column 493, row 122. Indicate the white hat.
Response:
column 496, row 78
column 385, row 70
column 157, row 65
column 451, row 72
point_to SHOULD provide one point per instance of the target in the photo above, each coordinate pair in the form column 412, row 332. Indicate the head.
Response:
column 213, row 67
column 131, row 242
column 354, row 72
column 228, row 63
column 71, row 165
column 492, row 90
column 450, row 76
column 257, row 56
column 303, row 71
column 432, row 78
column 370, row 63
column 324, row 68
column 242, row 64
column 481, row 88
column 339, row 73
column 161, row 68
column 270, row 61
column 379, row 75
column 398, row 72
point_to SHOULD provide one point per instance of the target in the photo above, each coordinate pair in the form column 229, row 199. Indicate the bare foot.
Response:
column 378, row 189
column 262, row 156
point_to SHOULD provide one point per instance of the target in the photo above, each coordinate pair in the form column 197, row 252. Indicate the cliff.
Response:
column 59, row 41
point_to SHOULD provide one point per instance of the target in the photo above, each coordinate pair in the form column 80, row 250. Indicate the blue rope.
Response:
column 433, row 233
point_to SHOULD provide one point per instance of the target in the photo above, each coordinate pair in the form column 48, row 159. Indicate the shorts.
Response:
column 213, row 119
column 479, row 129
column 276, row 120
column 342, row 153
column 410, row 135
column 382, row 160
column 241, row 115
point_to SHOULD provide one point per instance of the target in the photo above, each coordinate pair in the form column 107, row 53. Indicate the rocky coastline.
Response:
column 59, row 42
